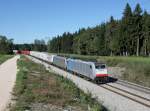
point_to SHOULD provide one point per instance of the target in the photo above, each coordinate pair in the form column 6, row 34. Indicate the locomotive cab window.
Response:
column 100, row 66
column 90, row 67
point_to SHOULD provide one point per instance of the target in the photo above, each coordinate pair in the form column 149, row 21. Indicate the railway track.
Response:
column 132, row 96
column 134, row 86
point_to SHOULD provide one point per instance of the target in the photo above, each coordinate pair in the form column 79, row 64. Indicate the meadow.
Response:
column 3, row 58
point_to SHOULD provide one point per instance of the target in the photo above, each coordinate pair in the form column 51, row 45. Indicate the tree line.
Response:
column 6, row 45
column 38, row 45
column 125, row 37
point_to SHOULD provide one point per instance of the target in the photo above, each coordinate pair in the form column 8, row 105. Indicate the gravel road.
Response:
column 8, row 71
column 110, row 100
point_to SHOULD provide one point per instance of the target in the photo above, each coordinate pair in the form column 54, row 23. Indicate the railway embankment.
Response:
column 114, row 98
column 37, row 89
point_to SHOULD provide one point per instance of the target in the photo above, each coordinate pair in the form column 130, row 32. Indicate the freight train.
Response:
column 26, row 52
column 91, row 70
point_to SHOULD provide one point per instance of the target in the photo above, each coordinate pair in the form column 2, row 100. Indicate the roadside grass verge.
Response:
column 137, row 68
column 37, row 87
column 3, row 58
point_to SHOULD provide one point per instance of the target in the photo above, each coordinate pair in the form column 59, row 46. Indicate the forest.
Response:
column 129, row 36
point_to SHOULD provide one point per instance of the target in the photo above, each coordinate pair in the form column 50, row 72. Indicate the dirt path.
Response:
column 8, row 71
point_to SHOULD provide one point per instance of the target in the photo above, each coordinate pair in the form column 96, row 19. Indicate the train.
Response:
column 26, row 52
column 95, row 71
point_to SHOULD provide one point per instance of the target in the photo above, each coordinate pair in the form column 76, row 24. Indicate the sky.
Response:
column 26, row 20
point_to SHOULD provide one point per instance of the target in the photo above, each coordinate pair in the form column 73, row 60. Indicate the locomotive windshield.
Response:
column 100, row 66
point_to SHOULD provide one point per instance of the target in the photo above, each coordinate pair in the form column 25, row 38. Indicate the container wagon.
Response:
column 26, row 52
column 43, row 56
column 50, row 58
column 60, row 62
column 35, row 54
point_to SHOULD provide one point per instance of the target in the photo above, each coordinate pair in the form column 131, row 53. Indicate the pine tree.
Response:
column 137, row 34
column 126, row 30
column 111, row 34
column 146, row 32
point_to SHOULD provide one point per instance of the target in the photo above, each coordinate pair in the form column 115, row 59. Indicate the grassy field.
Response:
column 39, row 90
column 137, row 68
column 4, row 58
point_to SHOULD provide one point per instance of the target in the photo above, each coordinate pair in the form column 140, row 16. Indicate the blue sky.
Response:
column 26, row 20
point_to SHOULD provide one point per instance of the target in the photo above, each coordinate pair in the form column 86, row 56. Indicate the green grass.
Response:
column 36, row 85
column 137, row 68
column 3, row 58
